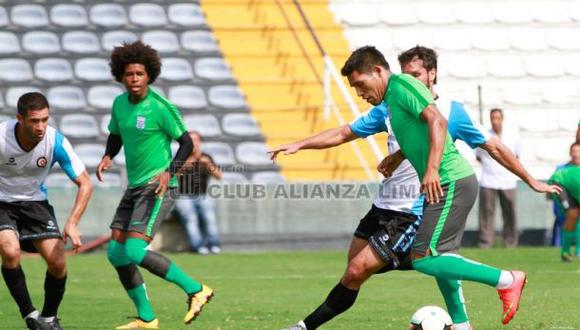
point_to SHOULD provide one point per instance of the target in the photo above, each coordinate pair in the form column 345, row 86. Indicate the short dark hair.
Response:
column 363, row 59
column 427, row 55
column 496, row 110
column 31, row 101
column 135, row 53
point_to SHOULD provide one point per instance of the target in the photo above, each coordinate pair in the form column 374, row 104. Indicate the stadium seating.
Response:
column 522, row 57
column 62, row 49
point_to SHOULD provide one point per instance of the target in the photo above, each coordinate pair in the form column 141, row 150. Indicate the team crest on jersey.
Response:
column 140, row 122
column 11, row 161
column 41, row 162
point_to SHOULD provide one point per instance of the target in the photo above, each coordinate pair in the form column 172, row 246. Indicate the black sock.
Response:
column 16, row 283
column 338, row 301
column 53, row 293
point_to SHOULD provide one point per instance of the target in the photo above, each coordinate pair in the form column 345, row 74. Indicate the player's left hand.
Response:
column 542, row 187
column 71, row 231
column 431, row 186
column 163, row 180
column 288, row 149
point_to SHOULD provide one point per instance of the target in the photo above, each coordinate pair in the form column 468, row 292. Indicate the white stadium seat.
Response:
column 528, row 38
column 15, row 70
column 29, row 16
column 464, row 67
column 109, row 180
column 240, row 124
column 67, row 98
column 550, row 12
column 53, row 69
column 206, row 125
column 10, row 43
column 186, row 14
column 104, row 124
column 146, row 14
column 79, row 125
column 564, row 39
column 267, row 177
column 537, row 121
column 253, row 153
column 93, row 69
column 112, row 39
column 212, row 69
column 69, row 15
column 109, row 15
column 490, row 39
column 407, row 38
column 521, row 96
column 228, row 97
column 4, row 20
column 58, row 179
column 473, row 12
column 398, row 13
column 188, row 97
column 41, row 42
column 81, row 42
column 90, row 153
column 359, row 14
column 162, row 41
column 102, row 96
column 506, row 66
column 199, row 41
column 14, row 93
column 233, row 178
column 222, row 153
column 544, row 66
column 436, row 13
column 511, row 12
column 176, row 69
column 452, row 39
column 561, row 93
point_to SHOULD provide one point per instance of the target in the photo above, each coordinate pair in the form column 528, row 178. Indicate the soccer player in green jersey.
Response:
column 568, row 177
column 447, row 180
column 145, row 123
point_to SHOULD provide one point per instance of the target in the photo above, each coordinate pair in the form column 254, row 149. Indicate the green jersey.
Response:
column 406, row 98
column 569, row 178
column 147, row 129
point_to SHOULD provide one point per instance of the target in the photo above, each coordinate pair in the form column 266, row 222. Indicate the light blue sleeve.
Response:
column 373, row 122
column 64, row 154
column 462, row 127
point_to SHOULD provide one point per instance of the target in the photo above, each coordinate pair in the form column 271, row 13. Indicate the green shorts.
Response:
column 141, row 210
column 444, row 223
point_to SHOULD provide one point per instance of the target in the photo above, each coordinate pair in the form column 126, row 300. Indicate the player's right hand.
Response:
column 288, row 149
column 104, row 165
column 389, row 164
column 541, row 187
column 431, row 186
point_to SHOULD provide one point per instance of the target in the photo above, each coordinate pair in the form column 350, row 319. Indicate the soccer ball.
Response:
column 430, row 318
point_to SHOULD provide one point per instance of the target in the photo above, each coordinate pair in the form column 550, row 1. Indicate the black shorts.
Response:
column 391, row 234
column 141, row 210
column 31, row 220
column 565, row 200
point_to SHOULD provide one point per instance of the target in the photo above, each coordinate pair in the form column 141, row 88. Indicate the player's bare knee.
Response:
column 356, row 273
column 56, row 266
column 417, row 255
column 11, row 256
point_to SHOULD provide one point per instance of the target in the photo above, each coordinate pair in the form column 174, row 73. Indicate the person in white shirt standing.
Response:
column 497, row 181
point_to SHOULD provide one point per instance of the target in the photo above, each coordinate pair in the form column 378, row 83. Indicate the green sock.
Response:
column 453, row 296
column 567, row 237
column 577, row 239
column 179, row 277
column 455, row 267
column 141, row 301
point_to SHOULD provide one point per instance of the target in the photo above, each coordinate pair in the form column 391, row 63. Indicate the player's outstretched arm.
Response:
column 327, row 139
column 431, row 184
column 114, row 144
column 503, row 155
column 84, row 193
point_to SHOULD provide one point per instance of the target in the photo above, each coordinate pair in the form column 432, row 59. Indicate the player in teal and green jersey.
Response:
column 145, row 123
column 448, row 181
column 568, row 177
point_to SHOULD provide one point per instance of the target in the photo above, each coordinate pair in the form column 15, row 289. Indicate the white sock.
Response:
column 505, row 280
column 34, row 315
column 302, row 324
column 47, row 319
column 461, row 326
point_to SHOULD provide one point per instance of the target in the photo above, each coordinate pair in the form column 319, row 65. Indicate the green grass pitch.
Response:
column 274, row 290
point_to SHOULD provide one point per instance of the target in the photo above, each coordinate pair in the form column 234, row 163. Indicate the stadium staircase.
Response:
column 62, row 49
column 278, row 67
column 523, row 55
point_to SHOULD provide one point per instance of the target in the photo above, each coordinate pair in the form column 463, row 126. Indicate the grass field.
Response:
column 274, row 290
